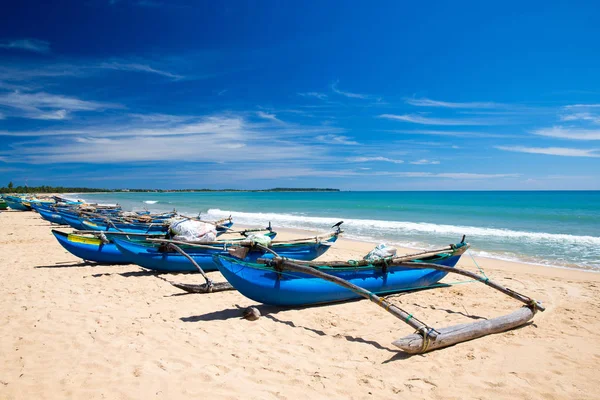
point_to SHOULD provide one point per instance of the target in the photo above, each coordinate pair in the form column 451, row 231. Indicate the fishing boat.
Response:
column 90, row 248
column 266, row 284
column 17, row 203
column 3, row 205
column 161, row 226
column 159, row 257
column 99, row 247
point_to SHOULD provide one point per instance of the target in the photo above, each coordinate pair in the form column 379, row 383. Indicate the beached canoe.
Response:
column 3, row 205
column 16, row 203
column 157, row 257
column 264, row 284
column 160, row 227
column 91, row 248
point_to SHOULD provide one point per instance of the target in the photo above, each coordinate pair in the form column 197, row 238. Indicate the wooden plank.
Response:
column 414, row 344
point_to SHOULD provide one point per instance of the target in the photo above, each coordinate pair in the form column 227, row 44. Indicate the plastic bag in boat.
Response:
column 190, row 230
column 263, row 240
column 379, row 252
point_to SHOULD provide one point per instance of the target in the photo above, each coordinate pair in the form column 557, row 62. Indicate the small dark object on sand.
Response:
column 251, row 314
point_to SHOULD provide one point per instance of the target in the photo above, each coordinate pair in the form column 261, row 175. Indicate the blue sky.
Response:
column 260, row 94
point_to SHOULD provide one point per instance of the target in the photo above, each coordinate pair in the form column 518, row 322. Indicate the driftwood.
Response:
column 417, row 343
column 427, row 338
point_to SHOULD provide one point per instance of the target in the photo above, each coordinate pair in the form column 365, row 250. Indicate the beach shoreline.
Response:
column 127, row 333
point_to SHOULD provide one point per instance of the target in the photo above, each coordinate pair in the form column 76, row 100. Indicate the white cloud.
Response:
column 419, row 119
column 581, row 116
column 46, row 106
column 136, row 67
column 265, row 115
column 455, row 175
column 318, row 95
column 370, row 159
column 33, row 45
column 336, row 139
column 424, row 102
column 335, row 89
column 582, row 106
column 553, row 151
column 425, row 162
column 450, row 133
column 569, row 133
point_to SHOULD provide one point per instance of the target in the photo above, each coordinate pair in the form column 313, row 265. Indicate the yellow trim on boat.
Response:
column 84, row 240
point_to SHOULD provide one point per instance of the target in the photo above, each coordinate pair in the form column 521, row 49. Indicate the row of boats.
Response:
column 253, row 261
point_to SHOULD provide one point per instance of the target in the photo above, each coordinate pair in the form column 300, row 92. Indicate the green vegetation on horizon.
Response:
column 60, row 189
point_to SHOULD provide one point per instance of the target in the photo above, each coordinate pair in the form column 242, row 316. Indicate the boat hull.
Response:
column 51, row 216
column 15, row 204
column 264, row 285
column 91, row 249
column 151, row 257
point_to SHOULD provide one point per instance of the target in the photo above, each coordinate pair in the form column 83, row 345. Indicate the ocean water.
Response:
column 557, row 228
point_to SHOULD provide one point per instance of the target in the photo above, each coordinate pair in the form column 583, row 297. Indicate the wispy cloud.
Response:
column 425, row 102
column 336, row 139
column 136, row 67
column 371, row 159
column 32, row 45
column 455, row 175
column 581, row 116
column 46, row 106
column 451, row 133
column 318, row 95
column 572, row 106
column 425, row 162
column 266, row 115
column 568, row 133
column 553, row 151
column 334, row 88
column 420, row 119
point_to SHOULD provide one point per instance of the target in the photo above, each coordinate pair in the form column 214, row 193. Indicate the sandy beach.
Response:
column 74, row 330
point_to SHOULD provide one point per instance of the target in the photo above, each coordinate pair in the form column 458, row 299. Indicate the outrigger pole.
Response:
column 427, row 338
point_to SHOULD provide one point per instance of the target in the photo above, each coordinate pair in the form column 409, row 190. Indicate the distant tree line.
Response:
column 10, row 188
column 47, row 189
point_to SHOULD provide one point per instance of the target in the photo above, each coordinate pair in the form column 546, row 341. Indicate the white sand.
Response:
column 69, row 330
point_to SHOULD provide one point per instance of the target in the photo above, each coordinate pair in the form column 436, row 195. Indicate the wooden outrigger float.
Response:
column 426, row 338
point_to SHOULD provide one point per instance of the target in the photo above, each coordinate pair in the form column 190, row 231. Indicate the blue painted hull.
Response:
column 15, row 204
column 100, row 252
column 73, row 221
column 132, row 227
column 150, row 257
column 264, row 285
column 51, row 216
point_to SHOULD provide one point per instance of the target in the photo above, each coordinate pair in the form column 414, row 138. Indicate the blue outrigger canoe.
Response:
column 156, row 257
column 94, row 249
column 16, row 203
column 91, row 249
column 265, row 284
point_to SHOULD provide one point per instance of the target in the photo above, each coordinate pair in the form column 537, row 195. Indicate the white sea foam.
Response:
column 151, row 201
column 362, row 228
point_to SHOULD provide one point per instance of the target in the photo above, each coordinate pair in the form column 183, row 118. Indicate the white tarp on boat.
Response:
column 379, row 252
column 193, row 231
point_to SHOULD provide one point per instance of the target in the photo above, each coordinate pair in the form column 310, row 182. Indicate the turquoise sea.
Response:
column 558, row 228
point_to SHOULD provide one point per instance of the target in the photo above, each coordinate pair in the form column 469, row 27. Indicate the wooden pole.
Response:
column 389, row 307
column 208, row 287
column 428, row 338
